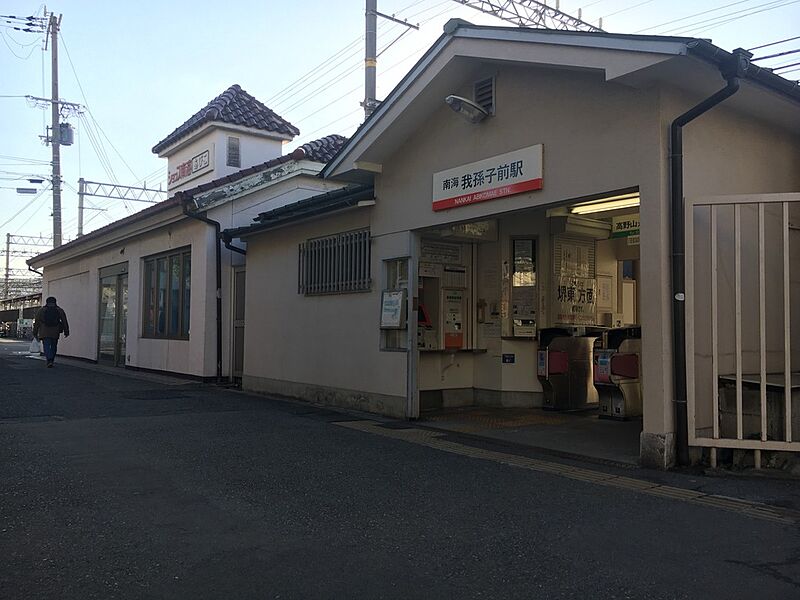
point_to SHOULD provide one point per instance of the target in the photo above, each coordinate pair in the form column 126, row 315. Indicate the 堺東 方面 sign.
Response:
column 504, row 175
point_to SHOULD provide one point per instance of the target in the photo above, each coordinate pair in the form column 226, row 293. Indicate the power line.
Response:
column 352, row 66
column 791, row 39
column 23, row 159
column 794, row 64
column 89, row 110
column 627, row 9
column 10, row 49
column 705, row 12
column 777, row 55
column 30, row 202
column 708, row 24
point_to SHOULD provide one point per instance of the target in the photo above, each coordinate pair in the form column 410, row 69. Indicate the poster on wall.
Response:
column 393, row 313
column 575, row 300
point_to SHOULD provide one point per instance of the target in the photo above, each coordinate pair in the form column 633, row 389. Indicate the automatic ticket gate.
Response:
column 564, row 366
column 617, row 373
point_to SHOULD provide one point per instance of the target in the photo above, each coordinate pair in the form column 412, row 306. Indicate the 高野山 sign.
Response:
column 504, row 175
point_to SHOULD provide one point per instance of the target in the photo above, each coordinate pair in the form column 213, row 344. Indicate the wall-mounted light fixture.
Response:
column 609, row 203
column 466, row 108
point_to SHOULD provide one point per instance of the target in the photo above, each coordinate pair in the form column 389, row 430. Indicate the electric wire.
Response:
column 10, row 49
column 622, row 10
column 422, row 24
column 779, row 67
column 708, row 24
column 776, row 55
column 89, row 110
column 352, row 66
column 281, row 94
column 705, row 12
column 27, row 205
column 791, row 39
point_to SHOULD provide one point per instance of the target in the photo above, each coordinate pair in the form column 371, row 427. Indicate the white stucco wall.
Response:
column 75, row 282
column 254, row 149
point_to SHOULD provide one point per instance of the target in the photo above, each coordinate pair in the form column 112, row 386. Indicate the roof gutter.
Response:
column 733, row 68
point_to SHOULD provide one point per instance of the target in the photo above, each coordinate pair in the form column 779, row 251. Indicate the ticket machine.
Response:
column 617, row 373
column 564, row 366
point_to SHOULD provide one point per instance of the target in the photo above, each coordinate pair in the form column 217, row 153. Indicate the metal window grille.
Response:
column 483, row 93
column 234, row 157
column 336, row 264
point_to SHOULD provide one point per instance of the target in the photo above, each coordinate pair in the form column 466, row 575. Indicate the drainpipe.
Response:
column 227, row 239
column 215, row 225
column 732, row 72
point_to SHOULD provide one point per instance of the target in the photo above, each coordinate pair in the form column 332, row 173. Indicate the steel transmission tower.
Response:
column 528, row 13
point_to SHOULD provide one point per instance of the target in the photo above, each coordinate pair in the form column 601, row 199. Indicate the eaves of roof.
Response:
column 150, row 211
column 701, row 49
column 304, row 209
column 316, row 151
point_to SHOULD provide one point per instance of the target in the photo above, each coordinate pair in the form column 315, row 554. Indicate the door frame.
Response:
column 118, row 271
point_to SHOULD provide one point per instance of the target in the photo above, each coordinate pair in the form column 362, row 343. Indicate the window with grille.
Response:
column 234, row 158
column 483, row 94
column 335, row 264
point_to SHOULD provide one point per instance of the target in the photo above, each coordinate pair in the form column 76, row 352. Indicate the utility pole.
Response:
column 8, row 256
column 370, row 57
column 81, row 187
column 55, row 128
column 371, row 54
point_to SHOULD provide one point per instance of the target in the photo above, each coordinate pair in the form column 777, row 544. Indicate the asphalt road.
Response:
column 114, row 486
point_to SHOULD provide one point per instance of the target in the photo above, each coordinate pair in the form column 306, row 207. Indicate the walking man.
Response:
column 49, row 324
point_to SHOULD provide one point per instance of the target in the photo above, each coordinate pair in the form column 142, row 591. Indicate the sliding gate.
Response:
column 743, row 322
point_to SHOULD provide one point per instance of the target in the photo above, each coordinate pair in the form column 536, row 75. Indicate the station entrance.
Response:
column 528, row 327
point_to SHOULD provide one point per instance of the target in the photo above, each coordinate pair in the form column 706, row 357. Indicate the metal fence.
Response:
column 742, row 267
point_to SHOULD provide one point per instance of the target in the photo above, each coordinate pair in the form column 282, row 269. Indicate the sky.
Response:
column 142, row 68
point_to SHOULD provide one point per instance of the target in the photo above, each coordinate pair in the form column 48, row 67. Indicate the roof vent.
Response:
column 484, row 94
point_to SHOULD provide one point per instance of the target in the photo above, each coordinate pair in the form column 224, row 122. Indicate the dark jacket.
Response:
column 41, row 331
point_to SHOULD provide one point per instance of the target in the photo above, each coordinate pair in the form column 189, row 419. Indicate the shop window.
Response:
column 483, row 94
column 335, row 264
column 233, row 157
column 167, row 295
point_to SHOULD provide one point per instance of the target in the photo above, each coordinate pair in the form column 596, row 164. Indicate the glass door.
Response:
column 106, row 352
column 112, row 343
column 122, row 318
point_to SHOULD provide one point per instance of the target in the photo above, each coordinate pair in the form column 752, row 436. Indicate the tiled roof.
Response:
column 234, row 106
column 324, row 149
